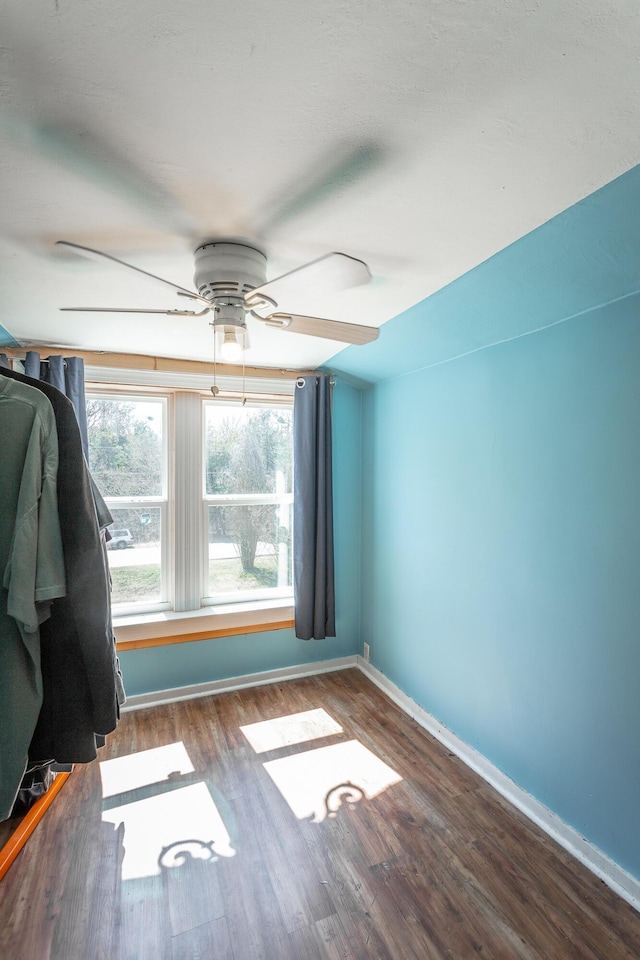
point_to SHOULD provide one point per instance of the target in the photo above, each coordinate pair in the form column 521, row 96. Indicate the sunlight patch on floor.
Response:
column 286, row 731
column 144, row 768
column 168, row 829
column 317, row 782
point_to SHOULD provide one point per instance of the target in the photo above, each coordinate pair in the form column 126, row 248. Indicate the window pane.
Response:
column 125, row 446
column 249, row 548
column 247, row 450
column 134, row 555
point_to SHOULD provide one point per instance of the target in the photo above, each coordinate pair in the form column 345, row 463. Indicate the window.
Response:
column 248, row 501
column 201, row 496
column 128, row 457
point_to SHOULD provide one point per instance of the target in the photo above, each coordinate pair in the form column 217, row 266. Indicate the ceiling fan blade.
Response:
column 328, row 274
column 100, row 256
column 74, row 146
column 166, row 313
column 346, row 164
column 319, row 327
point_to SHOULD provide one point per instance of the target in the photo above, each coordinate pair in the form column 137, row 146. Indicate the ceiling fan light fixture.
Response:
column 231, row 341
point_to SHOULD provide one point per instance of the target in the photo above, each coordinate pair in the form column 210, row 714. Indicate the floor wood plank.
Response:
column 403, row 852
column 204, row 943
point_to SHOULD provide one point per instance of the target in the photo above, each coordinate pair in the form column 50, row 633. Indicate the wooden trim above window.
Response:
column 139, row 361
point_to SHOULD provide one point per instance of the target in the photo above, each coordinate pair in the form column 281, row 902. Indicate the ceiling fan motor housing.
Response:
column 226, row 271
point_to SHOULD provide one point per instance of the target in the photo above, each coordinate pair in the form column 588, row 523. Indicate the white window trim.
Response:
column 186, row 456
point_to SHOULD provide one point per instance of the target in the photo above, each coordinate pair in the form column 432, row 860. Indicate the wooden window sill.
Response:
column 208, row 623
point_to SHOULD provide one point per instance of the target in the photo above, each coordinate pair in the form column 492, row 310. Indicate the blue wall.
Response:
column 162, row 668
column 502, row 561
column 501, row 516
column 585, row 257
column 179, row 665
column 6, row 340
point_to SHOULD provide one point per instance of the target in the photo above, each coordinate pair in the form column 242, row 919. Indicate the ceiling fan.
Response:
column 231, row 282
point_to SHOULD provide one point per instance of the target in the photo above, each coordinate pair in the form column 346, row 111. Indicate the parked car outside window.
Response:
column 120, row 539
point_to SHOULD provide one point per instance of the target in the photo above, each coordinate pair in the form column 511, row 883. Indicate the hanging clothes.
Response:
column 32, row 566
column 80, row 672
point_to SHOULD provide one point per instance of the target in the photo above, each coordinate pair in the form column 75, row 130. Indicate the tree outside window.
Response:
column 127, row 456
column 248, row 487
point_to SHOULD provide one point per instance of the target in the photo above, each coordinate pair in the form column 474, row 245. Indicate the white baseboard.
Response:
column 622, row 882
column 175, row 694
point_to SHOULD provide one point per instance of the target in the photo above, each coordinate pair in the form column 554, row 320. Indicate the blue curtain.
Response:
column 313, row 576
column 67, row 374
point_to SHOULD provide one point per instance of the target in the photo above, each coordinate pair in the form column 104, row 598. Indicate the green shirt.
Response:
column 31, row 568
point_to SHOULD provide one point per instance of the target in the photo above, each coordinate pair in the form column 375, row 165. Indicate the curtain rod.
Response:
column 300, row 380
column 140, row 361
column 17, row 356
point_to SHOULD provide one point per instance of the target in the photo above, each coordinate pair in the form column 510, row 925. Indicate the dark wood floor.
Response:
column 365, row 839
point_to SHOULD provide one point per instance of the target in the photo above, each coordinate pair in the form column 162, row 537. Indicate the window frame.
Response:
column 181, row 611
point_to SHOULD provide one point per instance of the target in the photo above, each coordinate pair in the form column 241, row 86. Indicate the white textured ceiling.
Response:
column 421, row 137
